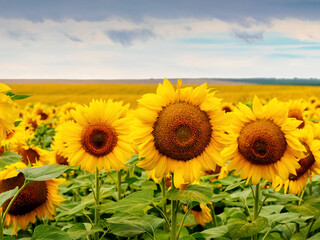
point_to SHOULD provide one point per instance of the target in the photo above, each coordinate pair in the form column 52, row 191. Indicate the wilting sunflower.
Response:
column 37, row 199
column 98, row 138
column 180, row 131
column 265, row 142
column 308, row 165
column 201, row 213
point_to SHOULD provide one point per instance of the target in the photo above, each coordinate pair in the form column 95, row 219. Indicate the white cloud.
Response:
column 82, row 49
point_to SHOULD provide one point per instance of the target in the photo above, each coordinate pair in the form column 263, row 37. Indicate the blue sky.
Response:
column 113, row 39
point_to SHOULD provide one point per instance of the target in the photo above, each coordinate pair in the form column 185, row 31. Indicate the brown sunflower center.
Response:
column 305, row 164
column 182, row 131
column 197, row 208
column 262, row 142
column 226, row 109
column 10, row 134
column 297, row 115
column 61, row 160
column 99, row 139
column 31, row 197
column 29, row 155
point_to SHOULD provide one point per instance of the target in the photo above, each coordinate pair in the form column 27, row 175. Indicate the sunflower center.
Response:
column 99, row 139
column 10, row 134
column 305, row 164
column 197, row 208
column 182, row 131
column 297, row 115
column 262, row 142
column 226, row 109
column 31, row 197
column 61, row 160
column 29, row 155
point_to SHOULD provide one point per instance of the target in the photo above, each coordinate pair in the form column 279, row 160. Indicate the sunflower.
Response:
column 265, row 142
column 8, row 113
column 33, row 155
column 15, row 137
column 297, row 110
column 308, row 165
column 180, row 131
column 227, row 107
column 201, row 213
column 37, row 199
column 98, row 138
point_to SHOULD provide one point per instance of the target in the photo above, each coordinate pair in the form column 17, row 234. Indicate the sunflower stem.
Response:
column 97, row 199
column 164, row 208
column 213, row 214
column 13, row 199
column 119, row 185
column 256, row 202
column 174, row 207
column 174, row 204
column 182, row 221
column 256, row 206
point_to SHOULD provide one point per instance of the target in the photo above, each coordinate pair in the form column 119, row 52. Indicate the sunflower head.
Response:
column 180, row 131
column 201, row 213
column 265, row 141
column 37, row 199
column 309, row 164
column 98, row 138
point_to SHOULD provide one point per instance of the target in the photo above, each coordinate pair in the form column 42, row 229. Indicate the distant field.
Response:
column 57, row 94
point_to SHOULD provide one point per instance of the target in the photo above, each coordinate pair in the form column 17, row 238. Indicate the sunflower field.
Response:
column 181, row 162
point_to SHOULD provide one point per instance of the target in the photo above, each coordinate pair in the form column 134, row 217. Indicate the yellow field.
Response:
column 57, row 94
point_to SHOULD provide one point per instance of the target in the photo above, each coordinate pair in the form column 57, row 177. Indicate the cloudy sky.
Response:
column 116, row 39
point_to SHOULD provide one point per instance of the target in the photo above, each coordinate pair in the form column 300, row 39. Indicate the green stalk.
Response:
column 164, row 208
column 3, row 217
column 256, row 206
column 213, row 214
column 97, row 199
column 256, row 202
column 182, row 221
column 174, row 206
column 119, row 185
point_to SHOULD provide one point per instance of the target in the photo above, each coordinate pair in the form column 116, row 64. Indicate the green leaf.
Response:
column 241, row 195
column 133, row 160
column 298, row 236
column 218, row 197
column 281, row 196
column 9, row 238
column 17, row 96
column 197, row 193
column 43, row 173
column 79, row 230
column 239, row 228
column 134, row 203
column 315, row 237
column 7, row 195
column 149, row 185
column 8, row 158
column 187, row 238
column 233, row 186
column 284, row 218
column 16, row 123
column 125, row 225
column 215, row 232
column 47, row 232
column 305, row 209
